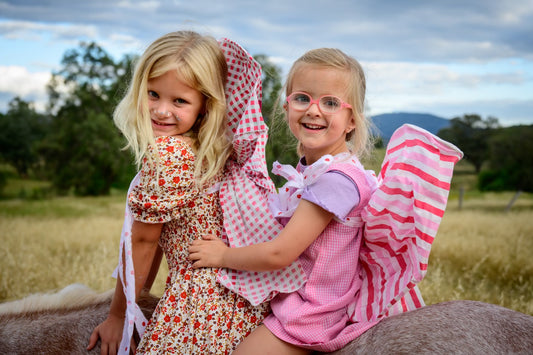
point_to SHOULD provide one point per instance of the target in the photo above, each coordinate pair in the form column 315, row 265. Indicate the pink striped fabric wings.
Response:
column 401, row 221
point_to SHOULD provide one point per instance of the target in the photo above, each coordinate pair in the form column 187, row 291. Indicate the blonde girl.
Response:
column 175, row 121
column 324, row 206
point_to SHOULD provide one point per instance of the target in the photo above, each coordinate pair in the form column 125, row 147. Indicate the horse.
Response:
column 61, row 323
column 58, row 323
column 452, row 327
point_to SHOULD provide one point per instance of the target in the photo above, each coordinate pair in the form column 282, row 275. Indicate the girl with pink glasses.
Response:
column 362, row 242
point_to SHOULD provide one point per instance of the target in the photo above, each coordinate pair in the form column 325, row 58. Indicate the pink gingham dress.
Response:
column 368, row 266
column 315, row 315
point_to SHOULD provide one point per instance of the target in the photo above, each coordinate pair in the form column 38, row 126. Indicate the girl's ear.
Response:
column 350, row 126
column 285, row 106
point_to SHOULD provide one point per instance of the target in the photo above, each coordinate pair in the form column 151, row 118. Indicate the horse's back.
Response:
column 56, row 324
column 455, row 327
column 59, row 323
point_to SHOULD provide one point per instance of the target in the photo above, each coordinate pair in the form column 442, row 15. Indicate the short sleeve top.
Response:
column 167, row 186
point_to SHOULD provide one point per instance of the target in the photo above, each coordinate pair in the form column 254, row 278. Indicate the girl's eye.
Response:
column 301, row 98
column 153, row 94
column 181, row 101
column 331, row 102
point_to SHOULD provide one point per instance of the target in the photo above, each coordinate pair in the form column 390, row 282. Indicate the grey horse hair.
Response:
column 61, row 323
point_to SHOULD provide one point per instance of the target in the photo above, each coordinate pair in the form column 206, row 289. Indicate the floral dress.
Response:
column 196, row 314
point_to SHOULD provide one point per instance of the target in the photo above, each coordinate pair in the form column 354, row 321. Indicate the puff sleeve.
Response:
column 166, row 184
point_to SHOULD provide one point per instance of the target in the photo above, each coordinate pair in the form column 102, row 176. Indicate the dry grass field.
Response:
column 480, row 253
column 49, row 244
column 483, row 253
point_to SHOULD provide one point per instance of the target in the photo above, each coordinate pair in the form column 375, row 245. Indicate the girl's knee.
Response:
column 263, row 341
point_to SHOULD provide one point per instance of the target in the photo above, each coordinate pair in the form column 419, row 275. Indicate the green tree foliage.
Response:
column 511, row 160
column 471, row 134
column 281, row 144
column 21, row 129
column 83, row 151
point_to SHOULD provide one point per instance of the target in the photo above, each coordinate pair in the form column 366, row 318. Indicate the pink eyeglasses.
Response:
column 327, row 104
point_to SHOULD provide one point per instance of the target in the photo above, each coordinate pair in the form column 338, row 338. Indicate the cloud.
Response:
column 18, row 81
column 449, row 90
column 21, row 82
column 25, row 30
column 433, row 31
column 437, row 55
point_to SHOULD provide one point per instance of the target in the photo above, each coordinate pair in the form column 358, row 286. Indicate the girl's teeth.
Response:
column 310, row 126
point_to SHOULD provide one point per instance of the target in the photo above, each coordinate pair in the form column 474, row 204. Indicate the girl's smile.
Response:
column 313, row 127
column 162, row 125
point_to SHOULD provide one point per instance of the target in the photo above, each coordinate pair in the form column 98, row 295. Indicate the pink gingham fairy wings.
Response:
column 246, row 186
column 401, row 222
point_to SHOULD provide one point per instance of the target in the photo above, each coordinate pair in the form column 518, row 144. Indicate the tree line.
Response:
column 76, row 146
column 502, row 156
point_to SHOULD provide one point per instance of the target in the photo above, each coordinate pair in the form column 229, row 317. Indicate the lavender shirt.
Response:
column 335, row 192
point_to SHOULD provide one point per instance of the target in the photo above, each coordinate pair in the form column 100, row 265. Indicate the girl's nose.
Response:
column 313, row 110
column 161, row 110
column 161, row 114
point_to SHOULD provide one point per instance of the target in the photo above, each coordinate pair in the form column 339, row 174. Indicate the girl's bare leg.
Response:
column 262, row 341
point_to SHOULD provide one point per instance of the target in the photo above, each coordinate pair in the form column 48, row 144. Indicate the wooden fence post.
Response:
column 513, row 200
column 461, row 196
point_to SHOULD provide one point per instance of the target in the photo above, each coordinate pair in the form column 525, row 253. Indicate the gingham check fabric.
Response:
column 246, row 187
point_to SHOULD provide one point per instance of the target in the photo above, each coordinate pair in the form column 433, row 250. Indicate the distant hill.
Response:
column 387, row 123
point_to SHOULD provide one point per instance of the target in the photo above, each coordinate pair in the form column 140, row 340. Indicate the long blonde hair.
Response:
column 359, row 139
column 199, row 61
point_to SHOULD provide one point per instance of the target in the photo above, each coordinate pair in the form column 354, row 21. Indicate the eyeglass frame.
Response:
column 317, row 102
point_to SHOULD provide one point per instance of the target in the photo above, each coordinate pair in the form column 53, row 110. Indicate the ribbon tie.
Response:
column 285, row 202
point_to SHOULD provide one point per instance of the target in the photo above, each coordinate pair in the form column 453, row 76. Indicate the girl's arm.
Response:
column 146, row 251
column 156, row 263
column 306, row 224
column 144, row 238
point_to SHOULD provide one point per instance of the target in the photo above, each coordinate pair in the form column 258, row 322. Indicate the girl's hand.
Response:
column 110, row 332
column 207, row 252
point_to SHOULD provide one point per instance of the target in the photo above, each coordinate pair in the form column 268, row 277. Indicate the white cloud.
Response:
column 21, row 82
column 136, row 5
column 448, row 90
column 25, row 30
column 18, row 81
column 433, row 55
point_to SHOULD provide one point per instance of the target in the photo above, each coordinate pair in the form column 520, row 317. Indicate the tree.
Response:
column 471, row 133
column 281, row 144
column 510, row 160
column 83, row 150
column 21, row 128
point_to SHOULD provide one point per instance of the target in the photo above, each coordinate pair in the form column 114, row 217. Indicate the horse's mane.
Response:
column 72, row 296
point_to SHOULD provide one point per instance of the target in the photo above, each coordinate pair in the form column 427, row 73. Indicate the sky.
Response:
column 443, row 57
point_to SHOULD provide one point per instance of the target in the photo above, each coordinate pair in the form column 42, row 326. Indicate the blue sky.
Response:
column 444, row 57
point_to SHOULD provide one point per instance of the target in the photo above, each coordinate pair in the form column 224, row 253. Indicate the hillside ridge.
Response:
column 386, row 123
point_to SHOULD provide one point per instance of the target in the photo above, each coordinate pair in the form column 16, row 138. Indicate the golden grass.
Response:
column 480, row 253
column 484, row 256
column 47, row 245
